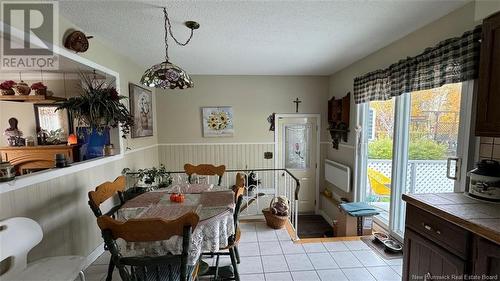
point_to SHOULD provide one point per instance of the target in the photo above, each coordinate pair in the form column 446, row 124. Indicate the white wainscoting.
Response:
column 233, row 155
column 60, row 206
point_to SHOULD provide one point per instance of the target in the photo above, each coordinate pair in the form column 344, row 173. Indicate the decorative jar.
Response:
column 22, row 88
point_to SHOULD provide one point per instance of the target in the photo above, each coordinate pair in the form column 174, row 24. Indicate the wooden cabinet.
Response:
column 486, row 258
column 28, row 159
column 437, row 249
column 427, row 260
column 488, row 99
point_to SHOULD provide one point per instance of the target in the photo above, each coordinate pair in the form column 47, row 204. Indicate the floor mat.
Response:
column 379, row 248
column 312, row 226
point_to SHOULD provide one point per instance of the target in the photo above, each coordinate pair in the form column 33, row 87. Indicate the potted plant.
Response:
column 39, row 88
column 6, row 88
column 152, row 178
column 97, row 109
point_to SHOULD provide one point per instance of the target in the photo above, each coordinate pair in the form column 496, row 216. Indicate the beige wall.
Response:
column 253, row 99
column 451, row 25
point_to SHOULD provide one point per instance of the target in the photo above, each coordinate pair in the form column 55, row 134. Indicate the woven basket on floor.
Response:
column 272, row 220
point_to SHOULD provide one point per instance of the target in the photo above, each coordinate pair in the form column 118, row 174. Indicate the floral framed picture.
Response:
column 141, row 107
column 217, row 121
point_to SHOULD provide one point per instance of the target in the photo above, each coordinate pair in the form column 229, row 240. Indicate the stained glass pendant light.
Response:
column 167, row 75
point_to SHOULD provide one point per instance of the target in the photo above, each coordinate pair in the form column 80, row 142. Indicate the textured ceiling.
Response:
column 255, row 37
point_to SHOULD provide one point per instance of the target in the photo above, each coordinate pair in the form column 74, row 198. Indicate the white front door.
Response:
column 297, row 151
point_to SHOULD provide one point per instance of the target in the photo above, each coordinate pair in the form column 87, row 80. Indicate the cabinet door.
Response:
column 424, row 260
column 486, row 258
column 488, row 115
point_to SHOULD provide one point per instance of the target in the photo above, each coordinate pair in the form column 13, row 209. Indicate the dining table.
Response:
column 213, row 204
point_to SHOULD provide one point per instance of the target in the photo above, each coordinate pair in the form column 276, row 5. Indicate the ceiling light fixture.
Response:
column 167, row 75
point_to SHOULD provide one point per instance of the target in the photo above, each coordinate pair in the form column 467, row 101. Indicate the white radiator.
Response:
column 337, row 174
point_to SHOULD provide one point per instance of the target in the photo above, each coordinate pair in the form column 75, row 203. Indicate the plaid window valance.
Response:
column 451, row 61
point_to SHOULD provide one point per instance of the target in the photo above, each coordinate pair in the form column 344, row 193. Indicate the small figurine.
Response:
column 13, row 134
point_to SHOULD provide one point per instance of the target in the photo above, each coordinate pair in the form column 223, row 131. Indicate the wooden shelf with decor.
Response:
column 338, row 119
column 27, row 159
column 31, row 98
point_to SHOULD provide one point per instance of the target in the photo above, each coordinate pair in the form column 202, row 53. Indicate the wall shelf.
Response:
column 31, row 98
column 338, row 119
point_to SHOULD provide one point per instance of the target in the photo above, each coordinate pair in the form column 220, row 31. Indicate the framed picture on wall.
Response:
column 141, row 107
column 217, row 121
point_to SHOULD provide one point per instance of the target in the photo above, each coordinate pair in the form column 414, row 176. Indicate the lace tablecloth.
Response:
column 215, row 209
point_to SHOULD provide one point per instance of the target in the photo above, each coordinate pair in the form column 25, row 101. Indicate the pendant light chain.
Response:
column 168, row 30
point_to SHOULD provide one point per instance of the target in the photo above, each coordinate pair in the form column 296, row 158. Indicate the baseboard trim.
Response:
column 96, row 253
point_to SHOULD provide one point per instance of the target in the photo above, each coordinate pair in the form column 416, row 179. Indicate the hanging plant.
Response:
column 99, row 107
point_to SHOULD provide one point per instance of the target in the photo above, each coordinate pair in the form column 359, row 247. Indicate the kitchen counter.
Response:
column 477, row 216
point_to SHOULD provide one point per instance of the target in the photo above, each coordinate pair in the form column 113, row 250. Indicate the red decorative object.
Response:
column 72, row 139
column 40, row 88
column 6, row 88
column 177, row 197
column 7, row 85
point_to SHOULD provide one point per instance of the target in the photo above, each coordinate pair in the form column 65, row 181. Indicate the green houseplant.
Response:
column 99, row 107
column 153, row 178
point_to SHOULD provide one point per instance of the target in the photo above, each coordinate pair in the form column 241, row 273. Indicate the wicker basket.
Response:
column 272, row 220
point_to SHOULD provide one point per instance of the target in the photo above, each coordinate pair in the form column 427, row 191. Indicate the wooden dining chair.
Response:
column 104, row 192
column 205, row 170
column 101, row 194
column 233, row 240
column 150, row 268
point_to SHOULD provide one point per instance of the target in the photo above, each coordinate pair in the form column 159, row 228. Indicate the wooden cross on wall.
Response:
column 297, row 101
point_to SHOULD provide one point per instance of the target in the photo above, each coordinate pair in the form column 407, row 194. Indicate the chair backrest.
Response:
column 238, row 200
column 240, row 179
column 105, row 191
column 17, row 237
column 148, row 230
column 205, row 170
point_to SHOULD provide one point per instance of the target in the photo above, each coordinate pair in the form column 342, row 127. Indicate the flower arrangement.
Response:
column 99, row 107
column 38, row 86
column 6, row 87
column 218, row 120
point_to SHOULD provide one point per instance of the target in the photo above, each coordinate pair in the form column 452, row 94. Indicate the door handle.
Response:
column 457, row 168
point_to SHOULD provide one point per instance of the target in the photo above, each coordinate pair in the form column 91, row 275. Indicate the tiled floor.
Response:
column 269, row 255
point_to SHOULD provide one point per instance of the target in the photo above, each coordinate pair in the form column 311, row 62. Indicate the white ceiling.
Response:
column 256, row 37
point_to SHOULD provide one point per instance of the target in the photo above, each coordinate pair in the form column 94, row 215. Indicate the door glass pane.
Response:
column 380, row 131
column 297, row 146
column 433, row 137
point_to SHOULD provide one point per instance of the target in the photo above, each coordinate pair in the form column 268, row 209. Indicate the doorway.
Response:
column 414, row 143
column 297, row 150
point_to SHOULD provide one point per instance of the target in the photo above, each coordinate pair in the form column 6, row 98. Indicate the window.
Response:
column 406, row 146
